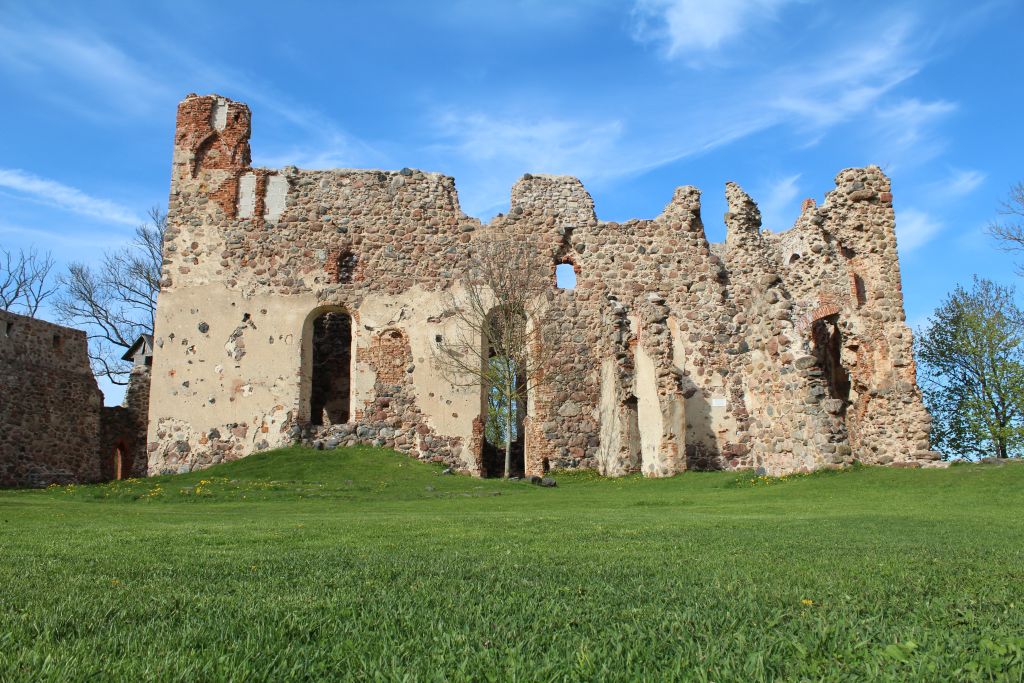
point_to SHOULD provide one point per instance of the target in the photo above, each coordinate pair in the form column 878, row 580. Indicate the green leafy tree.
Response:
column 501, row 426
column 504, row 339
column 971, row 367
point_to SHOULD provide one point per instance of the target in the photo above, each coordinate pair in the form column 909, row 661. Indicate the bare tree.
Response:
column 25, row 280
column 116, row 302
column 504, row 340
column 1009, row 230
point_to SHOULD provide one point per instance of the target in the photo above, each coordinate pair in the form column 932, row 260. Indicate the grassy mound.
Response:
column 361, row 563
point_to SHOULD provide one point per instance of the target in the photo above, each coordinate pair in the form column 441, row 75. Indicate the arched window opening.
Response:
column 794, row 258
column 565, row 276
column 828, row 345
column 330, row 378
column 505, row 398
column 120, row 463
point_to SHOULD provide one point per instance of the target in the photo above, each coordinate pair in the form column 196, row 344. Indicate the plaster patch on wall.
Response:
column 247, row 195
column 608, row 450
column 219, row 114
column 649, row 412
column 277, row 195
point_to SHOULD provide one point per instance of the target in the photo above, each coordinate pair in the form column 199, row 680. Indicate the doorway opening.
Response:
column 330, row 377
column 504, row 398
column 828, row 345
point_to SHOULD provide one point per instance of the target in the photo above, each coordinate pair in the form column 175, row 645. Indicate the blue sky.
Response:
column 635, row 97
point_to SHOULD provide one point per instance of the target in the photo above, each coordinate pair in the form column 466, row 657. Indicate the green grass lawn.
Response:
column 363, row 564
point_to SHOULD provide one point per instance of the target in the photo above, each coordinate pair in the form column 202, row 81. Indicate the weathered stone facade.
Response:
column 783, row 352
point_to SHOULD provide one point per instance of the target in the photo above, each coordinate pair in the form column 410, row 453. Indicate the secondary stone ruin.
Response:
column 304, row 305
column 54, row 428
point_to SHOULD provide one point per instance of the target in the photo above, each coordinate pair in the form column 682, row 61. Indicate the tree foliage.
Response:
column 971, row 366
column 503, row 340
column 116, row 302
column 25, row 280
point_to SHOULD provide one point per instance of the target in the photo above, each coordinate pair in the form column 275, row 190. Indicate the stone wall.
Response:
column 54, row 428
column 675, row 352
column 49, row 405
column 123, row 437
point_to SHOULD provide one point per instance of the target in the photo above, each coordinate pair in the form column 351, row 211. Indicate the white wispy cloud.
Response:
column 915, row 228
column 53, row 193
column 691, row 28
column 548, row 144
column 777, row 201
column 81, row 70
column 905, row 131
column 501, row 149
column 855, row 74
column 961, row 183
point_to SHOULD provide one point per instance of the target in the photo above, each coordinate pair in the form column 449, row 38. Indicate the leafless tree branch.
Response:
column 116, row 302
column 1009, row 230
column 25, row 280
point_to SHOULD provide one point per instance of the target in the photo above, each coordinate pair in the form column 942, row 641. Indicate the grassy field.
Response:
column 359, row 563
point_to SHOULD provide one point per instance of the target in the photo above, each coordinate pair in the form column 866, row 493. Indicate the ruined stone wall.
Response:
column 123, row 430
column 674, row 353
column 846, row 273
column 49, row 405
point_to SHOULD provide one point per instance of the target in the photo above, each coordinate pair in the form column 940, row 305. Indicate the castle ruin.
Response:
column 304, row 305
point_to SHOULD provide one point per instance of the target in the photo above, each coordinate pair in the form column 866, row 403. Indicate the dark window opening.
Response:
column 148, row 360
column 828, row 346
column 860, row 290
column 565, row 276
column 848, row 253
column 631, row 408
column 794, row 258
column 346, row 266
column 438, row 338
column 546, row 465
column 332, row 357
column 8, row 328
column 58, row 342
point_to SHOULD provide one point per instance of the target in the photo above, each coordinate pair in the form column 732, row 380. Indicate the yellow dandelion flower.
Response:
column 806, row 603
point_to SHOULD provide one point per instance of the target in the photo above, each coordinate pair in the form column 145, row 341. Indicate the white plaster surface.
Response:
column 247, row 195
